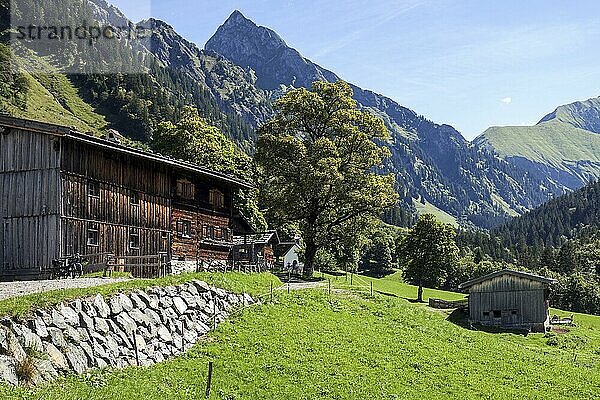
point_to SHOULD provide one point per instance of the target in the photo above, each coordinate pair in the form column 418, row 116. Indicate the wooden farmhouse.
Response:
column 510, row 299
column 255, row 250
column 64, row 193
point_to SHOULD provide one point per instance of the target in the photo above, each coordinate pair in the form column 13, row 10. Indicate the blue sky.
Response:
column 471, row 64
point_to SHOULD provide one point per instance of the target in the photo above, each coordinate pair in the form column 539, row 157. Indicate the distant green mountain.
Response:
column 564, row 145
column 581, row 114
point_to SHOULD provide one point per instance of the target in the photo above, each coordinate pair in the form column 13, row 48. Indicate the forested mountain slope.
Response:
column 432, row 162
column 555, row 221
column 135, row 103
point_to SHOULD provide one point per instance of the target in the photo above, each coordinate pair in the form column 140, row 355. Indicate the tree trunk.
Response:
column 309, row 257
column 420, row 293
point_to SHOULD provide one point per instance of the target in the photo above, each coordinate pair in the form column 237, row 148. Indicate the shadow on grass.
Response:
column 414, row 301
column 460, row 318
column 387, row 294
column 377, row 274
column 333, row 273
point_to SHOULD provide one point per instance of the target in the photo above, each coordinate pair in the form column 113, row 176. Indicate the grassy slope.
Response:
column 309, row 345
column 53, row 99
column 441, row 215
column 576, row 114
column 548, row 143
column 253, row 284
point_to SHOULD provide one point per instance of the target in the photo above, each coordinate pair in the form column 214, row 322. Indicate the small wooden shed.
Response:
column 510, row 299
column 256, row 249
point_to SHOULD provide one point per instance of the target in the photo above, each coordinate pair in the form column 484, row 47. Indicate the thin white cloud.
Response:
column 507, row 100
column 370, row 24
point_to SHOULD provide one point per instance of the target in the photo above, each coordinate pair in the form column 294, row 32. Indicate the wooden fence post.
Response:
column 271, row 291
column 209, row 379
column 371, row 288
column 329, row 286
column 214, row 314
column 135, row 347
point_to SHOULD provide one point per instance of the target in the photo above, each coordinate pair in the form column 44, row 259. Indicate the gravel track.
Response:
column 22, row 288
column 301, row 285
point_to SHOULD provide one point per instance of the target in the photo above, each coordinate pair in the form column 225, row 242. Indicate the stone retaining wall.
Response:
column 94, row 333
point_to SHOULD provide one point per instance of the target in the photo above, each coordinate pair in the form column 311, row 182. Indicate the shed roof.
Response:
column 520, row 274
column 257, row 238
column 63, row 131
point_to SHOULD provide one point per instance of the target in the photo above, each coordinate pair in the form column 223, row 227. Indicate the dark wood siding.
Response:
column 63, row 193
column 29, row 193
column 200, row 244
column 118, row 169
column 185, row 247
column 118, row 196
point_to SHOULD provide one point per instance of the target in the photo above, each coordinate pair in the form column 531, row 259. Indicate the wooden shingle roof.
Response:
column 63, row 131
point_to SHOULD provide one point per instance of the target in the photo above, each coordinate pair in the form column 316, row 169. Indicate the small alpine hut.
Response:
column 510, row 299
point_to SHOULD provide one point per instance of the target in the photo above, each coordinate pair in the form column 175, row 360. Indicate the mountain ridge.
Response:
column 431, row 161
column 580, row 114
column 564, row 144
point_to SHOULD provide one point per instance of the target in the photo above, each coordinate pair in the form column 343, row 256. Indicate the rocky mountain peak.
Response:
column 238, row 19
column 249, row 45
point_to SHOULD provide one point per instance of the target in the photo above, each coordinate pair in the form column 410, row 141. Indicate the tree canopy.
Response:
column 317, row 158
column 429, row 253
column 193, row 139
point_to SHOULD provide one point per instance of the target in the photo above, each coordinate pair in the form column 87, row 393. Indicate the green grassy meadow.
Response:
column 310, row 344
column 255, row 285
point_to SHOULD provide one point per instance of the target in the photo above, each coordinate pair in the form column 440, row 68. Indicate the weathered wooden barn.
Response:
column 64, row 193
column 510, row 299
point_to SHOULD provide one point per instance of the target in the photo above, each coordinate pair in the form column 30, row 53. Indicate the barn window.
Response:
column 134, row 198
column 134, row 238
column 186, row 189
column 216, row 198
column 225, row 234
column 208, row 232
column 218, row 233
column 93, row 235
column 93, row 189
column 164, row 235
column 184, row 228
column 486, row 313
column 497, row 313
column 513, row 312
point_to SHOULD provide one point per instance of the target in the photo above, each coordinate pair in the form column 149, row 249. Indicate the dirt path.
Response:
column 22, row 288
column 302, row 285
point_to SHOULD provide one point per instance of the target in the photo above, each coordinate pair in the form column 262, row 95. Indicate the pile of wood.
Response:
column 556, row 320
column 445, row 304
